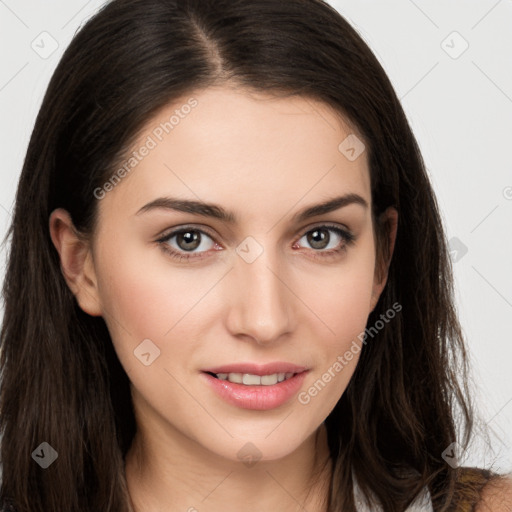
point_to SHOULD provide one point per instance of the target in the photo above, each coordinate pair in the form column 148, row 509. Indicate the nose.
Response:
column 261, row 299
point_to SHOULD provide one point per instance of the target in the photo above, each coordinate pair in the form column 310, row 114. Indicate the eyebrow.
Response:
column 218, row 212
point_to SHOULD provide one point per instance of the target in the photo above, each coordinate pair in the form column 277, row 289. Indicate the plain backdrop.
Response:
column 451, row 65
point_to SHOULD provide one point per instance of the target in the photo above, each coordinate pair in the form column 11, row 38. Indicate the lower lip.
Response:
column 256, row 397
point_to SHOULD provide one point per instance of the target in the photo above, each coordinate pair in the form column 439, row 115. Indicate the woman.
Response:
column 303, row 352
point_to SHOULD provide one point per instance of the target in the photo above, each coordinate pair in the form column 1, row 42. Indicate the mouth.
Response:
column 249, row 386
column 250, row 379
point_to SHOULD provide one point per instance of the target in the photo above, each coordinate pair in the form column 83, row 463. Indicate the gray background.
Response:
column 451, row 65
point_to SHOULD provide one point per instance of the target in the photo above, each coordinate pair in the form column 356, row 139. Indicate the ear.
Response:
column 388, row 224
column 75, row 261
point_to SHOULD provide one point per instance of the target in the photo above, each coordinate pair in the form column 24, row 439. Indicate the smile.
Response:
column 257, row 392
column 254, row 380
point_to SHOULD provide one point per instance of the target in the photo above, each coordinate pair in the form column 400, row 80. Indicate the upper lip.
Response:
column 257, row 369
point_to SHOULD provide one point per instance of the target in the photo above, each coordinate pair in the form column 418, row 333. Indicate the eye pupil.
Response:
column 189, row 237
column 319, row 238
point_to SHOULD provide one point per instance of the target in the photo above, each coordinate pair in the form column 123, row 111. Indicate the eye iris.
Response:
column 319, row 238
column 189, row 237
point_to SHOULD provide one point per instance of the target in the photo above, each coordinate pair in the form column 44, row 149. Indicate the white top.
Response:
column 422, row 503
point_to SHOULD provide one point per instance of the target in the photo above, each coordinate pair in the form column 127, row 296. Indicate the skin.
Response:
column 496, row 496
column 264, row 159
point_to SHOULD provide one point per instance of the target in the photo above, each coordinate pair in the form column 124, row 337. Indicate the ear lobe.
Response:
column 389, row 222
column 76, row 261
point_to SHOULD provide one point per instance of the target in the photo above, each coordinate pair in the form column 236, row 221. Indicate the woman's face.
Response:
column 277, row 283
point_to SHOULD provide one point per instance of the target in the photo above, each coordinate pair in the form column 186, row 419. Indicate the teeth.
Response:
column 235, row 377
column 255, row 380
column 268, row 380
column 251, row 380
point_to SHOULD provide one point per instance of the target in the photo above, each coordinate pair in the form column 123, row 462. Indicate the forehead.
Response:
column 245, row 150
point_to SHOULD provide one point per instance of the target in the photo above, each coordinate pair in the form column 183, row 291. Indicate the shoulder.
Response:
column 496, row 495
column 482, row 490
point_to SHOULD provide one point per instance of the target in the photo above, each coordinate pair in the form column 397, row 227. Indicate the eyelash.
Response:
column 348, row 239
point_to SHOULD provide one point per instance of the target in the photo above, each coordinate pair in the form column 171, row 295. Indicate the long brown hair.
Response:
column 61, row 380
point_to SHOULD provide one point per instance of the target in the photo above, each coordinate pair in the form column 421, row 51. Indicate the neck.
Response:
column 177, row 474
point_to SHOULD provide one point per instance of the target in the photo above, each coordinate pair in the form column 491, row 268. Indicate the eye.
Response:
column 187, row 240
column 321, row 239
column 192, row 243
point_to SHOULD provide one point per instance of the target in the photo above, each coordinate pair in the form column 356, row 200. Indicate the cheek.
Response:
column 341, row 299
column 145, row 296
column 137, row 302
column 341, row 295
